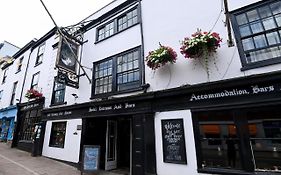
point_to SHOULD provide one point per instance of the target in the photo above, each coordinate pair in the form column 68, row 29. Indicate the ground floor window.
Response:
column 248, row 139
column 31, row 118
column 57, row 134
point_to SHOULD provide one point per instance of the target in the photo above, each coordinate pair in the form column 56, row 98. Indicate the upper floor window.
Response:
column 4, row 76
column 118, row 73
column 40, row 53
column 20, row 64
column 35, row 80
column 13, row 93
column 106, row 31
column 58, row 93
column 128, row 19
column 258, row 30
column 118, row 24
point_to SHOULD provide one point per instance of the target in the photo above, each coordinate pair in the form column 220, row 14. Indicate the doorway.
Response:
column 114, row 136
column 118, row 145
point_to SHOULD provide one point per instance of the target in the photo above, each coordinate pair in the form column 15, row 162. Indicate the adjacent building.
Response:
column 8, row 88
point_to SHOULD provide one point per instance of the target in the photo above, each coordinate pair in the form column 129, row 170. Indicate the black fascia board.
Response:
column 45, row 37
column 140, row 97
column 24, row 49
column 108, row 14
column 226, row 83
column 253, row 5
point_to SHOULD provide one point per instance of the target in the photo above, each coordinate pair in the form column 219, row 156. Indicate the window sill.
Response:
column 58, row 104
column 37, row 64
column 261, row 64
column 57, row 146
column 106, row 95
column 234, row 172
column 224, row 171
column 98, row 41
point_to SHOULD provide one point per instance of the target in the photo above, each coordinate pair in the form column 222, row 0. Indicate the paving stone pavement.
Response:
column 17, row 162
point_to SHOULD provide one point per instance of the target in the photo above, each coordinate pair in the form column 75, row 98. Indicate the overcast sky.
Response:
column 23, row 20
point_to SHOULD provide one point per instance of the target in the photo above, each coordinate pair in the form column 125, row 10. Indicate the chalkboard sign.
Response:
column 173, row 141
column 91, row 158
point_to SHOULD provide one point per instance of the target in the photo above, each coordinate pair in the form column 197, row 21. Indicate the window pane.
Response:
column 272, row 38
column 248, row 44
column 136, row 76
column 131, row 77
column 263, row 54
column 265, row 12
column 241, row 19
column 252, row 15
column 260, row 41
column 120, row 79
column 245, row 30
column 276, row 7
column 278, row 20
column 265, row 139
column 219, row 142
column 269, row 23
column 256, row 27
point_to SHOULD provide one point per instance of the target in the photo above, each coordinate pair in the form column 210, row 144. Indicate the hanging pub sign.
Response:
column 66, row 57
column 67, row 78
column 174, row 150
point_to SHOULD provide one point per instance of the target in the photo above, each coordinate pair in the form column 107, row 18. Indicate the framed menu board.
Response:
column 174, row 150
column 91, row 158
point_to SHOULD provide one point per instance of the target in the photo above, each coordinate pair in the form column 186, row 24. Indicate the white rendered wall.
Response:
column 12, row 76
column 71, row 149
column 94, row 51
column 47, row 73
column 178, row 19
column 170, row 168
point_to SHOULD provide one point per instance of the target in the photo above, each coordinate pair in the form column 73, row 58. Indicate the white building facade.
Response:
column 8, row 92
column 189, row 117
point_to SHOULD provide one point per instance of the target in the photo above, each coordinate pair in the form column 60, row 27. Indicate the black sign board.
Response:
column 67, row 78
column 174, row 150
column 91, row 158
column 66, row 58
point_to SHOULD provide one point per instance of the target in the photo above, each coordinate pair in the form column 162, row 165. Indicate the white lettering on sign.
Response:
column 112, row 107
column 257, row 89
column 56, row 114
column 232, row 93
column 128, row 105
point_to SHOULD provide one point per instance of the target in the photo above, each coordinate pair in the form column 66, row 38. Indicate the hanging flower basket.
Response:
column 201, row 45
column 160, row 57
column 32, row 93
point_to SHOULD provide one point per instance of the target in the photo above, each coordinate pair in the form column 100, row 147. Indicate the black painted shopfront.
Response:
column 29, row 131
column 123, row 128
column 236, row 123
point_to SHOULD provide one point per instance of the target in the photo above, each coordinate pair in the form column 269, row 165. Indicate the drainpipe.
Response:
column 142, row 42
column 229, row 34
column 25, row 74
